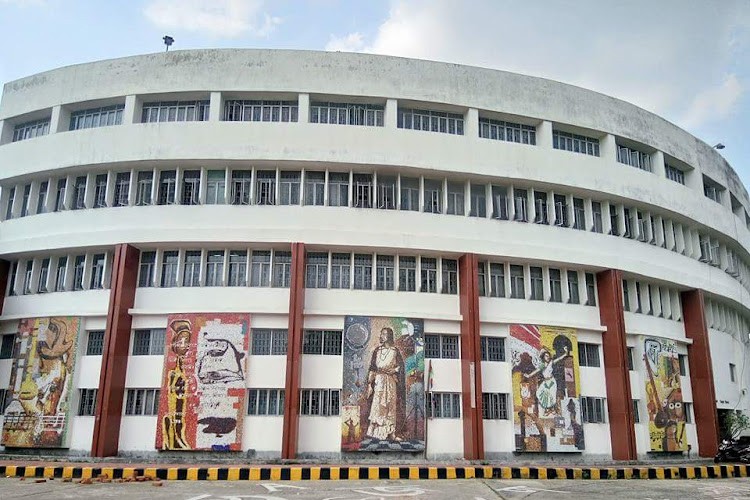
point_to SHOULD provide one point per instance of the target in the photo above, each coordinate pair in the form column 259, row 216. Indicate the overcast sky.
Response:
column 687, row 60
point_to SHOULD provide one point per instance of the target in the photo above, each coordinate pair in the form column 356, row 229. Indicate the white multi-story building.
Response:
column 304, row 187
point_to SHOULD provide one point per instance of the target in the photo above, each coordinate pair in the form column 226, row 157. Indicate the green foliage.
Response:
column 735, row 422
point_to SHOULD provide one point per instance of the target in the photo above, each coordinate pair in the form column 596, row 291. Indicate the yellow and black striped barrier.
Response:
column 303, row 473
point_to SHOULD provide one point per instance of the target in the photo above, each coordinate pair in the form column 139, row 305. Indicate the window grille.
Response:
column 338, row 189
column 507, row 131
column 517, row 289
column 215, row 187
column 269, row 342
column 326, row 342
column 316, row 270
column 192, row 268
column 409, row 194
column 260, row 268
column 555, row 285
column 79, row 202
column 428, row 267
column 6, row 346
column 260, row 111
column 588, row 354
column 86, row 402
column 537, row 283
column 363, row 190
column 315, row 184
column 362, row 272
column 142, row 402
column 122, row 189
column 265, row 401
column 340, row 270
column 319, row 402
column 265, row 187
column 493, row 348
column 494, row 406
column 573, row 293
column 386, row 193
column 100, row 191
column 29, row 130
column 592, row 410
column 169, row 268
column 455, row 198
column 450, row 276
column 431, row 121
column 282, row 269
column 97, row 272
column 148, row 342
column 95, row 343
column 191, row 181
column 167, row 187
column 575, row 143
column 441, row 346
column 144, row 188
column 237, row 268
column 370, row 115
column 289, row 188
column 385, row 272
column 214, row 268
column 175, row 111
column 241, row 186
column 443, row 405
column 97, row 117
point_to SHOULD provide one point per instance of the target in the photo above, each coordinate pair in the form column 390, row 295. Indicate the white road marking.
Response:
column 274, row 487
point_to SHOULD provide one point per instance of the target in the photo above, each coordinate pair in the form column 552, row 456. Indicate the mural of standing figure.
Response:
column 174, row 421
column 386, row 389
column 546, row 392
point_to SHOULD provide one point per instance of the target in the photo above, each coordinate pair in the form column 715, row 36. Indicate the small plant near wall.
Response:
column 735, row 423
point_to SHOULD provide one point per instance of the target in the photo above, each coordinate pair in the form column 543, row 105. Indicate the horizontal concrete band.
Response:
column 376, row 472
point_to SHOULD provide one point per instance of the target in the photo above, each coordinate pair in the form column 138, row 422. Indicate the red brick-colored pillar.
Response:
column 615, row 347
column 471, row 372
column 115, row 353
column 294, row 353
column 701, row 373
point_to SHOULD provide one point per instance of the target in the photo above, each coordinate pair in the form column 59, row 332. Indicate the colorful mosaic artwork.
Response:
column 383, row 392
column 666, row 414
column 41, row 382
column 546, row 389
column 202, row 397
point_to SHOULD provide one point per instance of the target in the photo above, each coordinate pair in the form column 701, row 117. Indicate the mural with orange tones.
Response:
column 666, row 412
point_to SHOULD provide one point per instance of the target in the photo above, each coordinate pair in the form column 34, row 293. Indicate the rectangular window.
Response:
column 494, row 406
column 555, row 285
column 540, row 208
column 573, row 295
column 519, row 200
column 629, row 233
column 517, row 290
column 282, row 269
column 682, row 360
column 25, row 200
column 78, row 271
column 500, row 202
column 407, row 274
column 27, row 278
column 175, row 111
column 561, row 210
column 260, row 268
column 6, row 345
column 62, row 271
column 732, row 372
column 289, row 185
column 215, row 268
column 191, row 182
column 450, row 276
column 431, row 121
column 433, row 196
column 338, row 189
column 43, row 276
column 596, row 212
column 688, row 410
column 265, row 401
column 386, row 193
column 455, row 194
column 315, row 185
column 590, row 289
column 340, row 270
column 122, row 189
column 441, row 346
column 493, row 348
column 588, row 354
column 86, row 402
column 362, row 190
column 142, row 402
column 11, row 201
column 268, row 342
column 260, row 111
column 97, row 117
column 636, row 412
column 241, row 186
column 482, row 279
column 169, row 268
column 410, row 194
column 579, row 214
column 326, row 342
column 59, row 195
column 41, row 200
column 167, row 187
column 614, row 221
column 428, row 268
column 575, row 143
column 215, row 187
column 237, row 268
column 144, row 187
column 316, row 270
column 338, row 113
column 507, row 131
column 674, row 174
column 319, row 402
column 191, row 274
column 385, row 272
column 362, row 272
column 146, row 270
column 537, row 283
column 95, row 343
column 79, row 193
column 634, row 158
column 265, row 187
column 625, row 295
column 443, row 405
column 97, row 272
column 100, row 191
column 29, row 130
column 12, row 278
column 592, row 410
column 497, row 279
column 5, row 399
column 148, row 342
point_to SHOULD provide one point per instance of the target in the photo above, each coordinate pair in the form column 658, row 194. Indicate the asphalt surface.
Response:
column 471, row 489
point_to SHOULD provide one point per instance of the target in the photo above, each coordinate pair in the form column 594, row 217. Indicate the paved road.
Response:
column 724, row 489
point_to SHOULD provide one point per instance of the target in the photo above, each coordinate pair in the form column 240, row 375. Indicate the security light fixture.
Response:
column 168, row 41
column 719, row 146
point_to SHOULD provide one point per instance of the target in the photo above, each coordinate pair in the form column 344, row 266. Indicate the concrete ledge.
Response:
column 376, row 472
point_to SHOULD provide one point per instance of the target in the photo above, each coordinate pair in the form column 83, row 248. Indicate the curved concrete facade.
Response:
column 523, row 230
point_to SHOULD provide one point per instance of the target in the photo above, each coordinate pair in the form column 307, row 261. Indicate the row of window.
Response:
column 494, row 278
column 59, row 274
column 651, row 299
column 726, row 319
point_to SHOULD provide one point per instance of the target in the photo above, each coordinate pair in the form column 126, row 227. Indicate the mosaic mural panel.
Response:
column 41, row 382
column 202, row 398
column 546, row 389
column 383, row 393
column 666, row 414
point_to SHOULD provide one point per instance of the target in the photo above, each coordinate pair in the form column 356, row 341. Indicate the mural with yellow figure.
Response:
column 41, row 382
column 546, row 389
column 666, row 414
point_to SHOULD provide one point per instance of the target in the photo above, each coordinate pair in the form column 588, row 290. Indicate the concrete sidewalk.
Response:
column 198, row 472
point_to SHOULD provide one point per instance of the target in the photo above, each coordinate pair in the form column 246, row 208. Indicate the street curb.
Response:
column 292, row 473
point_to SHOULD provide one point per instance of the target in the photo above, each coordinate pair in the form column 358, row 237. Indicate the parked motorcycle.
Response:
column 734, row 450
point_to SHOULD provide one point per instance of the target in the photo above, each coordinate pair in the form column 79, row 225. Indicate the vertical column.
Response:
column 471, row 373
column 216, row 107
column 471, row 123
column 133, row 110
column 390, row 117
column 303, row 108
column 608, row 148
column 294, row 353
column 701, row 373
column 544, row 134
column 614, row 345
column 115, row 355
